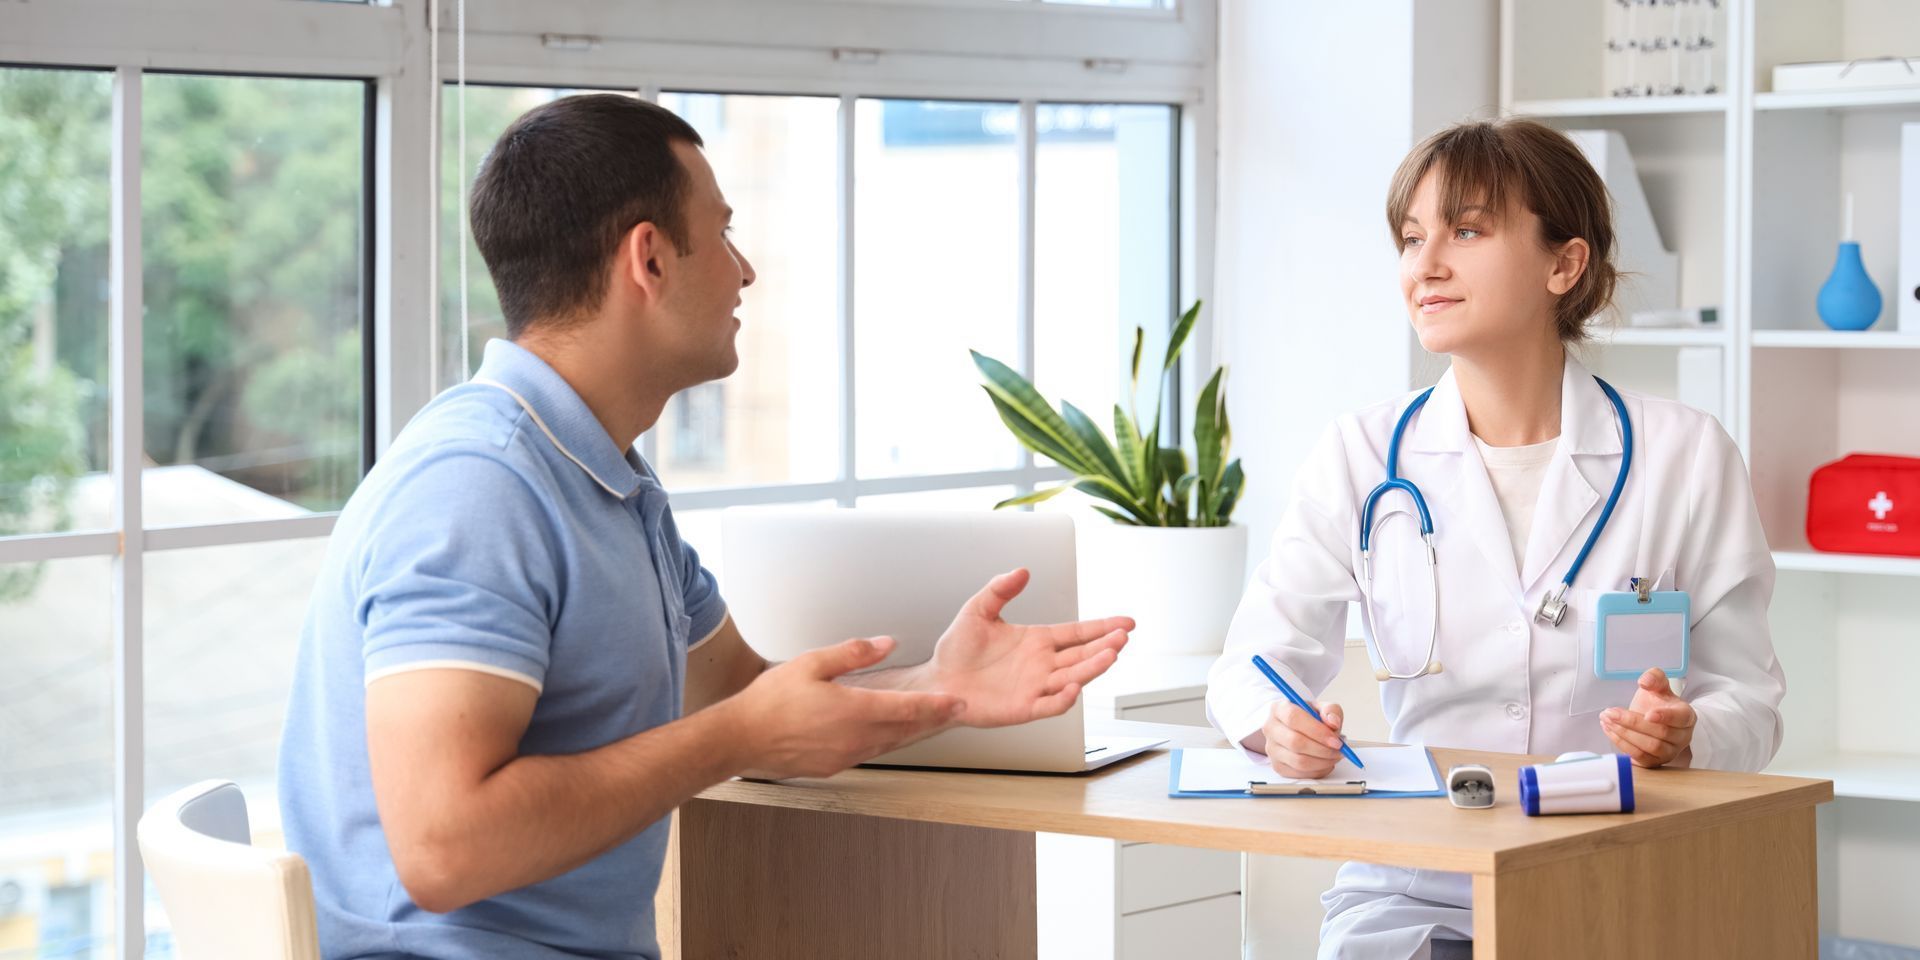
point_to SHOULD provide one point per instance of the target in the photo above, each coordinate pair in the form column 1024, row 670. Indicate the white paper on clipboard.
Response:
column 1393, row 768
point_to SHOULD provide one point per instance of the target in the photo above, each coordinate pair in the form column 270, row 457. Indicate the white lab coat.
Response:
column 1509, row 684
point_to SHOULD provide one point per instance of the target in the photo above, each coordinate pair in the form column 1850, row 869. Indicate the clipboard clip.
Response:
column 1348, row 788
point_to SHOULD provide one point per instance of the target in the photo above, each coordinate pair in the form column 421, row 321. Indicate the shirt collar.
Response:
column 1587, row 421
column 560, row 414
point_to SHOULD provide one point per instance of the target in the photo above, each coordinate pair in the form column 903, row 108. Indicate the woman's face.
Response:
column 1484, row 283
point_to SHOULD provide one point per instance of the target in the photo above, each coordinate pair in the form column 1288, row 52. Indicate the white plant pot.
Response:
column 1179, row 584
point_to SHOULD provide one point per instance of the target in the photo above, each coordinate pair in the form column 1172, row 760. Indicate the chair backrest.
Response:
column 227, row 899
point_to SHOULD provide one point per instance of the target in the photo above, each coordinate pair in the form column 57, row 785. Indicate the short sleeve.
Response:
column 460, row 567
column 699, row 590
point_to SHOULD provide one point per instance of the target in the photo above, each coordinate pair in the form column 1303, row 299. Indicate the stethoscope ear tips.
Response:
column 1433, row 666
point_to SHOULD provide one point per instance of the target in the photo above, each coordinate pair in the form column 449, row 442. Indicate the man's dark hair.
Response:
column 562, row 186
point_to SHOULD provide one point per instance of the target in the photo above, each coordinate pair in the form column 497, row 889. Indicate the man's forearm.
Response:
column 537, row 817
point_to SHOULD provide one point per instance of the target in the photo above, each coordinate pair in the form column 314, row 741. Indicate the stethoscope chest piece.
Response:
column 1553, row 606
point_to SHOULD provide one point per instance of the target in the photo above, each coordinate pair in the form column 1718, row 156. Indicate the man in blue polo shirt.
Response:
column 513, row 668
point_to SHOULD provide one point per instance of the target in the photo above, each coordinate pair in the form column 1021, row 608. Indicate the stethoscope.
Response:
column 1553, row 606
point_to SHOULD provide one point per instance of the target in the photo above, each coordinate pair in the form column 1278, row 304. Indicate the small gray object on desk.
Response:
column 1470, row 786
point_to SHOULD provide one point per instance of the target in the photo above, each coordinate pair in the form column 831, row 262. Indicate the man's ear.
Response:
column 1569, row 265
column 645, row 259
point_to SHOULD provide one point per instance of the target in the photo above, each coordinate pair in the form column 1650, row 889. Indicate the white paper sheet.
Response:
column 1397, row 768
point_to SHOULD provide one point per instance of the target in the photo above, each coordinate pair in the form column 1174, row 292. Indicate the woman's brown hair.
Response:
column 1496, row 163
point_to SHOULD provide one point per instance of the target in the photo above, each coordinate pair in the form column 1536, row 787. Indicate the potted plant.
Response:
column 1171, row 558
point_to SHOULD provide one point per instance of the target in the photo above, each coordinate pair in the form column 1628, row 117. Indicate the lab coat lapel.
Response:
column 1584, row 464
column 1463, row 505
column 1566, row 498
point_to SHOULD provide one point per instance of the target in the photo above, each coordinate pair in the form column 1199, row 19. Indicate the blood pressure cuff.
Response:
column 1866, row 503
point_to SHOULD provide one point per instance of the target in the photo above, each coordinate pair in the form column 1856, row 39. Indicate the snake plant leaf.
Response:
column 1228, row 494
column 1018, row 392
column 1183, row 491
column 1097, row 486
column 1175, row 343
column 1126, row 440
column 1095, row 441
column 1139, row 340
column 1116, row 518
column 1149, row 462
column 1031, row 434
column 1206, row 432
column 1173, row 465
column 1226, row 429
column 1179, row 338
column 1037, row 496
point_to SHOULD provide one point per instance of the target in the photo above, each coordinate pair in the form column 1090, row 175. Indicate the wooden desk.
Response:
column 926, row 864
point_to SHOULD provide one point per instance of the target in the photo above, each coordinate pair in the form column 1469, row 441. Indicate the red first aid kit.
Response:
column 1866, row 503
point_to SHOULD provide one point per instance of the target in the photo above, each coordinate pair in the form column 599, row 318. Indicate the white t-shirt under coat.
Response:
column 1516, row 474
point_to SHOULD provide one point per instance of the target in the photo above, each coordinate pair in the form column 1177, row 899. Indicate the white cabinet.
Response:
column 1102, row 899
column 1203, row 928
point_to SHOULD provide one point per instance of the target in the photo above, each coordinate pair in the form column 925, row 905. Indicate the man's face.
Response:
column 703, row 287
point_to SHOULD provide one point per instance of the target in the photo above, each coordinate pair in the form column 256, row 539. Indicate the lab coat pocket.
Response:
column 1591, row 694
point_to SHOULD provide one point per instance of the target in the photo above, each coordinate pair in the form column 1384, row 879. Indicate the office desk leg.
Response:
column 746, row 880
column 1741, row 889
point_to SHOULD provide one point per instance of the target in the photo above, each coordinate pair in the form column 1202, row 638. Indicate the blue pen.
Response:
column 1281, row 682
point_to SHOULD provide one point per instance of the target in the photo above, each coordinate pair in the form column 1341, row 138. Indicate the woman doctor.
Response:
column 1505, row 240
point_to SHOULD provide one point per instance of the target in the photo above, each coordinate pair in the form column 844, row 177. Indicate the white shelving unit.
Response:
column 1747, row 185
column 1812, row 562
column 1657, row 337
column 1620, row 107
column 1835, row 340
column 1872, row 776
column 1835, row 99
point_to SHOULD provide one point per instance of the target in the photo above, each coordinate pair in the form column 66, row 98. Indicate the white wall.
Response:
column 1304, row 272
column 1318, row 104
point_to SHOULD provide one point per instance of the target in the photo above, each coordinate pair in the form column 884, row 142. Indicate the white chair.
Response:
column 228, row 899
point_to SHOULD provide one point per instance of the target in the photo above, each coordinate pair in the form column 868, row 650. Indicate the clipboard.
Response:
column 1314, row 789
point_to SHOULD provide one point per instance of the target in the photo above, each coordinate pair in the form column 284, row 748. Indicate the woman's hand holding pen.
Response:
column 1297, row 745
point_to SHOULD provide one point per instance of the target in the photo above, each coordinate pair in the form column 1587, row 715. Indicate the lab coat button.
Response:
column 1516, row 711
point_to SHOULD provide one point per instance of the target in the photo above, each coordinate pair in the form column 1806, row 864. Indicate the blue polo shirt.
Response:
column 503, row 532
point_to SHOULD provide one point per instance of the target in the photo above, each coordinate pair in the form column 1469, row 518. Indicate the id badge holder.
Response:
column 1641, row 629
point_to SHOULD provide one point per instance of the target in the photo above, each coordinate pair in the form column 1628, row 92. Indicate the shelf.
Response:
column 1836, row 339
column 1620, row 106
column 1873, row 776
column 1838, row 99
column 1663, row 337
column 1813, row 561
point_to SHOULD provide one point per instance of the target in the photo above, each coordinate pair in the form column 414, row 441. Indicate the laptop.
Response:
column 799, row 579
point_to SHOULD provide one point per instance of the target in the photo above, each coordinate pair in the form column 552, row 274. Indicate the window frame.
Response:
column 1018, row 52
